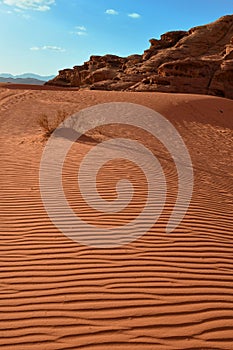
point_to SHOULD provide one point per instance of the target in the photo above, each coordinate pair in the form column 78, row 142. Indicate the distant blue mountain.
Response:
column 27, row 76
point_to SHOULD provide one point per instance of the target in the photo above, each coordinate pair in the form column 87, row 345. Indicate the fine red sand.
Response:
column 162, row 292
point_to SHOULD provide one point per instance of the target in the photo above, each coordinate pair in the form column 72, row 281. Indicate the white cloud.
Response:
column 37, row 5
column 47, row 47
column 82, row 28
column 80, row 31
column 6, row 12
column 134, row 15
column 111, row 12
column 16, row 11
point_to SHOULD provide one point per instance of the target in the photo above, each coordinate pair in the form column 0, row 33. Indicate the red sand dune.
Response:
column 162, row 292
column 35, row 87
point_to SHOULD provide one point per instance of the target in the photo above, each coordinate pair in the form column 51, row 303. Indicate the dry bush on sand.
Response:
column 49, row 124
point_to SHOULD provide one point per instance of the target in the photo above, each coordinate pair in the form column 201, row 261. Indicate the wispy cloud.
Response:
column 82, row 28
column 22, row 13
column 47, row 47
column 17, row 12
column 80, row 31
column 134, row 15
column 6, row 12
column 111, row 12
column 36, row 5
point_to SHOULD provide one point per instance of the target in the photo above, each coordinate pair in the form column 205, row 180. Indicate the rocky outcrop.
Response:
column 196, row 61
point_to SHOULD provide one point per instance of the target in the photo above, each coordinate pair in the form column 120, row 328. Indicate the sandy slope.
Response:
column 162, row 292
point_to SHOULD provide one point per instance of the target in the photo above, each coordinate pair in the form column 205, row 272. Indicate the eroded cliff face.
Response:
column 197, row 61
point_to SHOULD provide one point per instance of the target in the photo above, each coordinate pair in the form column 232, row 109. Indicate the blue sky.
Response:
column 43, row 36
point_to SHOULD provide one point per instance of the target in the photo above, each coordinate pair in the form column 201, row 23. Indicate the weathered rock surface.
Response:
column 197, row 61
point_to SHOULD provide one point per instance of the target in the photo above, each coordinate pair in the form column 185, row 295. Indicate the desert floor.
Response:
column 161, row 292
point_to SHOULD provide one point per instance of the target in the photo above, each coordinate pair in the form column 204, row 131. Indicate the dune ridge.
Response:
column 162, row 292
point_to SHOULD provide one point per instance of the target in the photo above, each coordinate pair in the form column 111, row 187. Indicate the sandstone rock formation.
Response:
column 197, row 61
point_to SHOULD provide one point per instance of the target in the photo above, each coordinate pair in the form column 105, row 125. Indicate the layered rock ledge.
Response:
column 196, row 61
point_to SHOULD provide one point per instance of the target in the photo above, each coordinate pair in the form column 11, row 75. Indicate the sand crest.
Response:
column 161, row 292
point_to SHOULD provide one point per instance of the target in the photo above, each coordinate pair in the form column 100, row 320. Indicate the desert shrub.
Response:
column 50, row 123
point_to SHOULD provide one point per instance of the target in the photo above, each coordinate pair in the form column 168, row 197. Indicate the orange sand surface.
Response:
column 161, row 292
